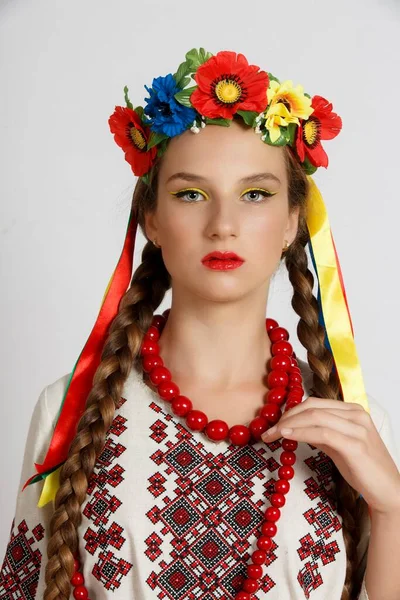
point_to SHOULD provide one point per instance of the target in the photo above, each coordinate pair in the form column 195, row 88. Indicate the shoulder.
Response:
column 50, row 399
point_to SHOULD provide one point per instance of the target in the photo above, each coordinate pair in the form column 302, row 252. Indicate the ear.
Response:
column 292, row 224
column 150, row 225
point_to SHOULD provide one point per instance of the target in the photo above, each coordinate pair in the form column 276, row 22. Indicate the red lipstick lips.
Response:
column 222, row 261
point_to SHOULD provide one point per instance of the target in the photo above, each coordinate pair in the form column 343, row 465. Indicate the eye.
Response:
column 189, row 192
column 258, row 191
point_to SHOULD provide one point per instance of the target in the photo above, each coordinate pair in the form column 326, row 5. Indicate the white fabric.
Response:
column 172, row 515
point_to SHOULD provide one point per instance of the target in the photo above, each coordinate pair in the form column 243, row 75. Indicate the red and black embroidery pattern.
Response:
column 105, row 534
column 316, row 551
column 206, row 529
column 21, row 566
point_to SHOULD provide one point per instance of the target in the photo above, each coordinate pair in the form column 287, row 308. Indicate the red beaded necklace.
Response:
column 285, row 385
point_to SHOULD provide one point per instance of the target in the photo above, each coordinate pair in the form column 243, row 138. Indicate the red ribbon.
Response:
column 81, row 381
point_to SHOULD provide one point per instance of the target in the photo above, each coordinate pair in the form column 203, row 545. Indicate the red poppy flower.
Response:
column 322, row 124
column 227, row 83
column 132, row 136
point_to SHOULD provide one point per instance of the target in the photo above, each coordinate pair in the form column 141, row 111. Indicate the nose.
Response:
column 223, row 221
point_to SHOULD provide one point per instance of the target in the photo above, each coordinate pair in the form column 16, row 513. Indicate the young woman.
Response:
column 161, row 480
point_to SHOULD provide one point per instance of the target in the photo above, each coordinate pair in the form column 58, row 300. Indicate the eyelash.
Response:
column 261, row 191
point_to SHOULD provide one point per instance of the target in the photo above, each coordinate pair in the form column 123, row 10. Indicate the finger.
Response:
column 361, row 417
column 324, row 438
column 323, row 403
column 314, row 418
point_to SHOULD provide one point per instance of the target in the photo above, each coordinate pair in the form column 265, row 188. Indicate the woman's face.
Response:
column 222, row 207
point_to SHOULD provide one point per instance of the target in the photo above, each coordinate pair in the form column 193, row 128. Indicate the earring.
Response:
column 286, row 246
column 155, row 243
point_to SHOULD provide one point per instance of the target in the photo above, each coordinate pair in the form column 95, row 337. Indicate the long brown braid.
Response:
column 326, row 384
column 121, row 352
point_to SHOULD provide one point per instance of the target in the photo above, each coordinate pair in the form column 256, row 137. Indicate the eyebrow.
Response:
column 249, row 178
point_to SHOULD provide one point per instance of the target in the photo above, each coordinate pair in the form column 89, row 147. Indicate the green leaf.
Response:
column 162, row 147
column 128, row 102
column 145, row 178
column 224, row 122
column 180, row 75
column 155, row 138
column 281, row 141
column 248, row 116
column 292, row 131
column 183, row 97
column 308, row 167
column 139, row 110
column 273, row 77
column 195, row 58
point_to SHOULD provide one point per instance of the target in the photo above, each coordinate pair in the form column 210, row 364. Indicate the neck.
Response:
column 222, row 347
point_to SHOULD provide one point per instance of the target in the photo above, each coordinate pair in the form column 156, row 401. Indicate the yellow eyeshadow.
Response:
column 191, row 189
column 259, row 190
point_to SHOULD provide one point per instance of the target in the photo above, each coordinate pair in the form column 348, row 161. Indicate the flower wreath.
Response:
column 225, row 85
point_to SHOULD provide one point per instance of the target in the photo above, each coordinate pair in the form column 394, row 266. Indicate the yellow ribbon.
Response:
column 334, row 308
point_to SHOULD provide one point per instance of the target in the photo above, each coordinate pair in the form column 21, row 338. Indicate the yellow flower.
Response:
column 286, row 105
column 278, row 116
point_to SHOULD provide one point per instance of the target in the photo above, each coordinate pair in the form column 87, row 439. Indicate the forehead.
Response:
column 232, row 152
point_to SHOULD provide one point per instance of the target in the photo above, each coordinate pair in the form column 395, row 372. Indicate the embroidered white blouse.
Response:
column 172, row 515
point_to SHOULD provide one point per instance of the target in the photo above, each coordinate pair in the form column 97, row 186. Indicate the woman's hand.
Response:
column 345, row 432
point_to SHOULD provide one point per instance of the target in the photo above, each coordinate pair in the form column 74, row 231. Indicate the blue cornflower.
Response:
column 166, row 114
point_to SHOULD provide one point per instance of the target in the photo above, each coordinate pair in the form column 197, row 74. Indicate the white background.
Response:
column 66, row 189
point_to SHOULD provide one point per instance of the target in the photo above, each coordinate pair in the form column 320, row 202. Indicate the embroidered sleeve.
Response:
column 382, row 422
column 22, row 571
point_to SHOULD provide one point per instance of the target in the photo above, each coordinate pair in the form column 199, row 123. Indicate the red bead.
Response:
column 272, row 514
column 271, row 324
column 282, row 347
column 287, row 457
column 77, row 564
column 149, row 347
column 159, row 374
column 239, row 435
column 296, row 370
column 277, row 379
column 294, row 361
column 165, row 313
column 158, row 321
column 269, row 529
column 276, row 396
column 286, row 472
column 243, row 596
column 258, row 426
column 80, row 593
column 250, row 585
column 295, row 386
column 295, row 394
column 196, row 420
column 278, row 500
column 217, row 430
column 278, row 333
column 254, row 571
column 168, row 390
column 264, row 543
column 292, row 403
column 295, row 377
column 281, row 361
column 77, row 579
column 258, row 557
column 282, row 486
column 152, row 334
column 271, row 412
column 181, row 405
column 289, row 444
column 150, row 361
